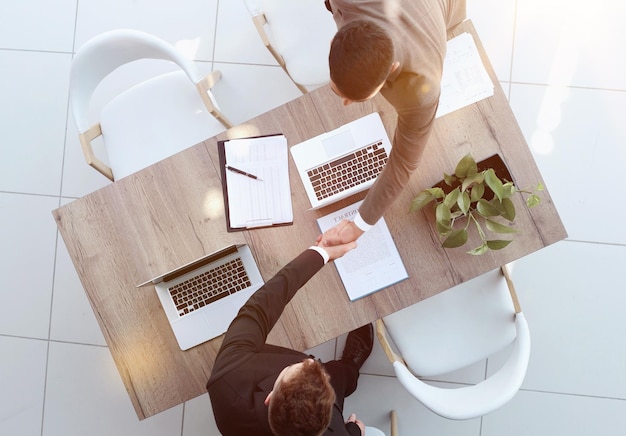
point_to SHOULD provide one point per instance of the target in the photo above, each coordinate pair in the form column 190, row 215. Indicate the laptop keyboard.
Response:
column 348, row 171
column 210, row 286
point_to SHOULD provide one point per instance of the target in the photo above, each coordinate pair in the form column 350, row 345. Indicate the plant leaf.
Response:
column 477, row 192
column 466, row 167
column 452, row 197
column 498, row 244
column 496, row 227
column 508, row 209
column 457, row 213
column 449, row 179
column 464, row 202
column 508, row 190
column 486, row 209
column 478, row 250
column 443, row 219
column 455, row 239
column 533, row 200
column 476, row 178
column 425, row 197
column 494, row 183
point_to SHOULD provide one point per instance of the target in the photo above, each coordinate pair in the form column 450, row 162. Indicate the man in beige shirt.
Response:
column 397, row 48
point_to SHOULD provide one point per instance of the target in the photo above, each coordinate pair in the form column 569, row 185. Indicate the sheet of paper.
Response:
column 374, row 265
column 465, row 79
column 266, row 200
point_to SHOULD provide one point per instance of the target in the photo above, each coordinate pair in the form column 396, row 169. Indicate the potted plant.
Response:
column 476, row 196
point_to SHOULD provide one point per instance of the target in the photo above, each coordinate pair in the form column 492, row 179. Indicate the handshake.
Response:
column 340, row 239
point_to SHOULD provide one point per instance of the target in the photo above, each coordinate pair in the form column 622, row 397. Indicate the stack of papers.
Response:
column 465, row 79
column 255, row 181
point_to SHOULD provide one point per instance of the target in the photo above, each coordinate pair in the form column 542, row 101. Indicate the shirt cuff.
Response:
column 322, row 253
column 358, row 221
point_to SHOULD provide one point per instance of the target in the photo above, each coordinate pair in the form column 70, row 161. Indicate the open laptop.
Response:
column 202, row 297
column 344, row 161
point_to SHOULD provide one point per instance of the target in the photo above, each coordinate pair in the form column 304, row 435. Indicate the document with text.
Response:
column 374, row 265
column 465, row 79
column 255, row 175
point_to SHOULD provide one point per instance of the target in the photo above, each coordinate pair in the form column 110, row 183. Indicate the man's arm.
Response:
column 415, row 120
column 248, row 331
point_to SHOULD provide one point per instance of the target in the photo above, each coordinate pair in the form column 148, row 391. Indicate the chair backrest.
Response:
column 454, row 329
column 474, row 400
column 149, row 121
column 106, row 52
column 373, row 431
column 300, row 33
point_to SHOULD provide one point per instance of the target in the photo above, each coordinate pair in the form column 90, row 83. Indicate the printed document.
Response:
column 257, row 181
column 465, row 79
column 374, row 265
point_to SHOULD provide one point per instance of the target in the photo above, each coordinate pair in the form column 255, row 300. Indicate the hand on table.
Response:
column 343, row 233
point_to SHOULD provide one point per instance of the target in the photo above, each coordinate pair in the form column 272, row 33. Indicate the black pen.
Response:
column 237, row 170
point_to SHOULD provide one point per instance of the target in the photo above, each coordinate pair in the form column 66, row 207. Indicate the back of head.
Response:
column 302, row 405
column 360, row 59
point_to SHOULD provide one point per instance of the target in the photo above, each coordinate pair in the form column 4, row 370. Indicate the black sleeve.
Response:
column 353, row 429
column 248, row 331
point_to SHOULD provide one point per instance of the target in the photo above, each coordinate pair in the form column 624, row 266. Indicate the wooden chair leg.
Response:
column 394, row 423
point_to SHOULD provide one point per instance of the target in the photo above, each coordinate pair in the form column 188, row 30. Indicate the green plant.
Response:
column 478, row 197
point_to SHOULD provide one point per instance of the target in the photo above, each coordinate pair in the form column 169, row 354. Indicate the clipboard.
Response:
column 261, row 181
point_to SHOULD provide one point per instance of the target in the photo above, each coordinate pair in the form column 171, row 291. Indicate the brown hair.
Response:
column 302, row 405
column 360, row 59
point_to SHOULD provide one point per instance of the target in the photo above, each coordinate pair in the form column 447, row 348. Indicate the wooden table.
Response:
column 173, row 212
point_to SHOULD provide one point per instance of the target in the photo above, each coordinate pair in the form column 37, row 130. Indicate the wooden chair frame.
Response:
column 260, row 21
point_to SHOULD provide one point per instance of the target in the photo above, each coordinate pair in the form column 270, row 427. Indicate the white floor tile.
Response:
column 495, row 35
column 38, row 25
column 190, row 27
column 72, row 318
column 237, row 39
column 246, row 91
column 85, row 396
column 572, row 295
column 577, row 137
column 34, row 91
column 570, row 43
column 546, row 414
column 198, row 419
column 22, row 378
column 377, row 396
column 28, row 235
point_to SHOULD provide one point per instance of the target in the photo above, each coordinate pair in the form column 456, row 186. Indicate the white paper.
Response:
column 264, row 201
column 464, row 80
column 374, row 265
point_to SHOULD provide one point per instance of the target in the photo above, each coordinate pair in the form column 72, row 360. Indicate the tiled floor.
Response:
column 562, row 64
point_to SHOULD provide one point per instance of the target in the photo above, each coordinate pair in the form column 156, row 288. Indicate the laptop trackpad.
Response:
column 339, row 144
column 204, row 325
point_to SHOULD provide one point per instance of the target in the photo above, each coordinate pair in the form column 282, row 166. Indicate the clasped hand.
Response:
column 346, row 232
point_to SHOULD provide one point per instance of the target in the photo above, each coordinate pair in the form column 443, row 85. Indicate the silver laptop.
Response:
column 202, row 298
column 344, row 161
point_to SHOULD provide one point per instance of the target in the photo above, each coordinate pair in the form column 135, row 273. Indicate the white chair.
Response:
column 298, row 34
column 149, row 121
column 452, row 330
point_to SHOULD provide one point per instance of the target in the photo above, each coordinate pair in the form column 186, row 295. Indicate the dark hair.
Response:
column 302, row 405
column 360, row 59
